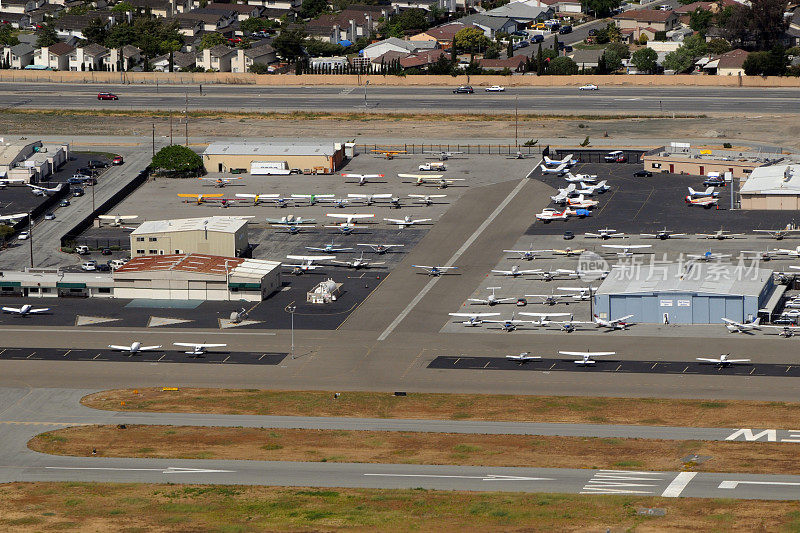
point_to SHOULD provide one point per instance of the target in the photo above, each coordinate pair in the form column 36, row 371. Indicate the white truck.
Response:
column 269, row 168
column 435, row 166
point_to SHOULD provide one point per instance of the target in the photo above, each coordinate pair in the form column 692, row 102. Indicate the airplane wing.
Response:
column 123, row 348
column 544, row 315
column 421, row 176
column 729, row 321
column 39, row 310
column 709, row 359
column 351, row 216
column 146, row 348
column 397, row 221
column 340, row 262
column 621, row 319
column 376, row 264
column 737, row 360
column 477, row 315
column 590, row 354
column 421, row 220
column 311, row 257
column 12, row 310
column 14, row 217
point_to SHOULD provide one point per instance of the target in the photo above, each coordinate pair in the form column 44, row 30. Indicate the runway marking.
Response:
column 734, row 484
column 457, row 360
column 224, row 360
column 487, row 364
column 488, row 477
column 96, row 356
column 411, row 365
column 617, row 482
column 472, row 238
column 168, row 470
column 675, row 488
column 65, row 353
column 31, row 355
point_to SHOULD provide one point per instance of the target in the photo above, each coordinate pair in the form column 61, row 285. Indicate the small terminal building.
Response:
column 52, row 283
column 197, row 277
column 681, row 158
column 688, row 293
column 222, row 236
column 775, row 187
column 252, row 157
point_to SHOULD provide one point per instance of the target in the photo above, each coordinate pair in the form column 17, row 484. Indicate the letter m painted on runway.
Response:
column 747, row 434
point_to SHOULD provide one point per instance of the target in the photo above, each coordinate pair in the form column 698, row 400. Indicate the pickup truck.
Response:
column 435, row 166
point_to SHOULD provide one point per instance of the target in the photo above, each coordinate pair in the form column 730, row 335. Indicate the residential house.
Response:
column 523, row 12
column 122, row 59
column 514, row 64
column 793, row 31
column 190, row 27
column 89, row 57
column 329, row 63
column 564, row 7
column 393, row 44
column 159, row 8
column 635, row 22
column 214, row 21
column 16, row 20
column 387, row 58
column 442, row 35
column 491, row 25
column 55, row 57
column 283, row 5
column 73, row 25
column 586, row 58
column 18, row 56
column 47, row 11
column 276, row 14
column 217, row 58
column 424, row 59
column 727, row 64
column 243, row 11
column 20, row 6
column 400, row 5
column 181, row 61
column 348, row 25
column 262, row 54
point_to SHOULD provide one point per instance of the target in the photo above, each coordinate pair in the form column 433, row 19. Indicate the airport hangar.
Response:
column 223, row 236
column 265, row 158
column 775, row 187
column 688, row 293
column 681, row 158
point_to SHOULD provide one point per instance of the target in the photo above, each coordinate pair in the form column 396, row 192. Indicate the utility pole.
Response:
column 366, row 83
column 170, row 128
column 291, row 308
column 186, row 117
column 154, row 139
column 30, row 234
column 516, row 121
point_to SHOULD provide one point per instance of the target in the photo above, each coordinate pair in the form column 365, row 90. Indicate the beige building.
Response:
column 680, row 158
column 775, row 187
column 222, row 236
column 324, row 157
column 197, row 277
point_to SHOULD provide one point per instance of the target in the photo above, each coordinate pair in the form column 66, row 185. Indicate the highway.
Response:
column 611, row 100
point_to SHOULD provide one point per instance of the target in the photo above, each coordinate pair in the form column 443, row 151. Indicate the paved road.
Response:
column 439, row 99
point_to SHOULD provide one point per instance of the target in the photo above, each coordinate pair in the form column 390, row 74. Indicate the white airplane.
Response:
column 558, row 162
column 294, row 229
column 708, row 256
column 706, row 202
column 359, row 262
column 550, row 275
column 784, row 331
column 272, row 198
column 348, row 226
column 764, row 255
column 617, row 323
column 568, row 326
column 720, row 235
column 549, row 214
column 328, row 248
column 582, row 201
column 515, row 271
column 569, row 252
column 198, row 350
column 381, row 248
column 313, row 199
column 444, row 156
column 435, row 270
column 548, row 299
column 663, row 235
column 426, row 199
column 543, row 318
column 560, row 170
column 708, row 193
column 492, row 299
column 363, row 179
column 290, row 219
column 406, row 221
column 578, row 293
column 5, row 182
column 117, row 220
column 220, row 182
column 625, row 249
column 25, row 310
column 586, row 358
column 524, row 357
column 472, row 319
column 563, row 194
column 307, row 262
column 605, row 234
column 369, row 199
column 134, row 348
column 722, row 360
column 527, row 255
column 339, row 203
column 44, row 191
column 790, row 253
column 587, row 188
column 440, row 181
column 508, row 325
column 779, row 234
column 741, row 327
column 580, row 178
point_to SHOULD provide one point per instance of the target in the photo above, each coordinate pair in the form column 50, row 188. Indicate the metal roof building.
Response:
column 223, row 236
column 322, row 157
column 686, row 293
column 774, row 187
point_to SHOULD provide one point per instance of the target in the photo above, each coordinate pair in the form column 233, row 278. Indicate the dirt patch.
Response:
column 192, row 442
column 565, row 409
column 28, row 507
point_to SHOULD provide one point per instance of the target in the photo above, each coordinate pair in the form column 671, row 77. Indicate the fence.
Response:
column 99, row 244
column 597, row 156
column 477, row 149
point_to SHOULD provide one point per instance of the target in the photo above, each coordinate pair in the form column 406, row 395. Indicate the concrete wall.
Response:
column 192, row 78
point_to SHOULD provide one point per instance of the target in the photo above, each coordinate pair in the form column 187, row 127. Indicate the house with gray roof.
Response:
column 393, row 44
column 490, row 26
column 18, row 56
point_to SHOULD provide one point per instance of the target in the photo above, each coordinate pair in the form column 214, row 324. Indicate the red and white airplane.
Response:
column 220, row 182
column 705, row 202
column 548, row 214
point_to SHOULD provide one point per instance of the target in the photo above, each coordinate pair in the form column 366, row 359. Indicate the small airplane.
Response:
column 625, row 249
column 358, row 262
column 25, row 310
column 564, row 194
column 790, row 253
column 586, row 358
column 362, row 179
column 763, row 255
column 291, row 219
column 406, row 221
column 388, row 154
column 580, row 178
column 708, row 256
column 508, row 325
column 220, row 182
column 779, row 234
column 706, row 202
column 523, row 358
column 258, row 198
column 605, row 234
column 558, row 162
column 307, row 262
column 548, row 299
column 198, row 350
column 340, row 203
column 201, row 198
column 427, row 199
column 582, row 201
column 312, row 199
column 579, row 293
column 381, row 248
column 444, row 156
column 117, row 220
column 614, row 324
column 435, row 270
column 568, row 326
column 294, row 229
column 526, row 255
column 720, row 235
column 492, row 299
column 348, row 226
column 588, row 189
column 663, row 235
column 722, row 360
column 328, row 248
column 547, row 215
column 569, row 252
column 784, row 331
column 44, row 191
column 515, row 271
column 440, row 181
column 741, row 327
column 369, row 199
column 550, row 275
column 560, row 170
column 708, row 193
column 543, row 318
column 472, row 319
column 134, row 348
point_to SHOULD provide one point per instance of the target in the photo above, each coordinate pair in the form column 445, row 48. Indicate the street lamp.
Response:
column 227, row 278
column 291, row 308
column 366, row 83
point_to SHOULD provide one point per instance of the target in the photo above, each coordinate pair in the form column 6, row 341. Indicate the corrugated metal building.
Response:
column 223, row 236
column 689, row 293
column 774, row 187
column 323, row 157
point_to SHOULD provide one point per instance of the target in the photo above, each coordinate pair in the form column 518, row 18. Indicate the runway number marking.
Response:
column 769, row 435
column 619, row 482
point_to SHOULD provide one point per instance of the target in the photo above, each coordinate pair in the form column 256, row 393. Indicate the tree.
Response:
column 700, row 19
column 660, row 36
column 645, row 60
column 253, row 24
column 599, row 8
column 210, row 40
column 177, row 160
column 772, row 63
column 47, row 36
column 562, row 66
column 7, row 37
column 289, row 44
column 695, row 45
column 95, row 31
column 151, row 35
column 643, row 39
column 407, row 21
column 611, row 62
column 259, row 68
column 510, row 49
column 719, row 46
column 492, row 51
column 759, row 26
column 609, row 34
column 470, row 39
column 311, row 8
column 679, row 60
column 320, row 48
column 123, row 7
column 621, row 49
column 540, row 66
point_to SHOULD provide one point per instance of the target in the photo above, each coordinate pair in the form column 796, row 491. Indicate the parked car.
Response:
column 643, row 174
column 117, row 160
column 106, row 251
column 89, row 266
column 63, row 203
column 522, row 302
column 77, row 179
column 463, row 89
column 77, row 191
column 794, row 303
column 714, row 181
column 568, row 235
column 102, row 267
column 588, row 87
column 791, row 313
column 50, row 216
column 568, row 48
column 593, row 32
column 565, row 29
column 107, row 96
column 495, row 89
column 537, row 38
column 116, row 263
column 81, row 250
column 521, row 44
column 23, row 235
column 94, row 163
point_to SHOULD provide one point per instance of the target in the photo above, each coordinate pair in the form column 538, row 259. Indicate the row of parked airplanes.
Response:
column 437, row 180
column 587, row 358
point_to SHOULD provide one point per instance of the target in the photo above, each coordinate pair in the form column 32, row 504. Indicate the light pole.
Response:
column 228, row 279
column 366, row 84
column 291, row 308
column 30, row 234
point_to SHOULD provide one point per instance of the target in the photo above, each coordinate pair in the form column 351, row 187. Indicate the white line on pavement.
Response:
column 734, row 484
column 675, row 488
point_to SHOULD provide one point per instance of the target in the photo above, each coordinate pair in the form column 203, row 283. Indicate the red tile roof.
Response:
column 645, row 15
column 423, row 58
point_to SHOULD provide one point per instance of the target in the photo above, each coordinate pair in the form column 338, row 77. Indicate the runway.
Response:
column 608, row 100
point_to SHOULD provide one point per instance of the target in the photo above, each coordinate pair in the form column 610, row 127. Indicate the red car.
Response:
column 107, row 96
column 117, row 160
